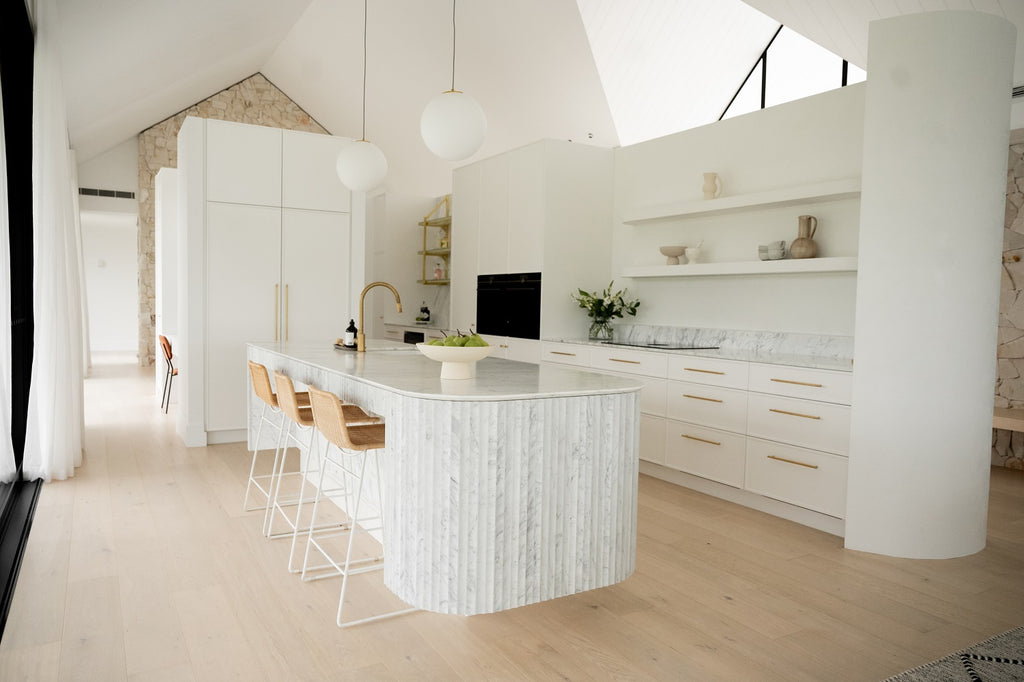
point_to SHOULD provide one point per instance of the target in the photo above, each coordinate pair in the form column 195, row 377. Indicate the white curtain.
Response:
column 53, row 442
column 7, row 466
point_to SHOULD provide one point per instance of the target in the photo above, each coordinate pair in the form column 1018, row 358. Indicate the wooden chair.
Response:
column 172, row 371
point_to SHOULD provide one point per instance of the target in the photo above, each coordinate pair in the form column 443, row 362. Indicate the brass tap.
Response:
column 360, row 336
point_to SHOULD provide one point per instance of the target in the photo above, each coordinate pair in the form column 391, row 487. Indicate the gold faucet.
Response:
column 360, row 336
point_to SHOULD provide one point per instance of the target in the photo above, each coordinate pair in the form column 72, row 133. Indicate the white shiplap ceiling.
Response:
column 842, row 25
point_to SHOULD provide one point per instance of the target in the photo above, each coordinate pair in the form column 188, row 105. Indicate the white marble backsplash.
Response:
column 838, row 348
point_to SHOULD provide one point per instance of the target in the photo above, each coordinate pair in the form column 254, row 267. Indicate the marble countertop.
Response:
column 746, row 354
column 401, row 368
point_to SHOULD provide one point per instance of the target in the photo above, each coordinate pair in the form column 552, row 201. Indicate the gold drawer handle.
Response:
column 798, row 383
column 793, row 414
column 793, row 461
column 558, row 352
column 705, row 371
column 502, row 345
column 697, row 397
column 630, row 362
column 702, row 440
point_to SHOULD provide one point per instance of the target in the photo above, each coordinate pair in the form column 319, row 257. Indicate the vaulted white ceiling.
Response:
column 842, row 25
column 131, row 63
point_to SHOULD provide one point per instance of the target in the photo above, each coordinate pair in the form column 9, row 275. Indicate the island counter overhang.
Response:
column 514, row 487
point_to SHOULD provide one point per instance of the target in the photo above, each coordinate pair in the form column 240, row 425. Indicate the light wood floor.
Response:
column 143, row 567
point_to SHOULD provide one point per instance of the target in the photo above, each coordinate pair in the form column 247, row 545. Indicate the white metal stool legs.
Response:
column 349, row 566
column 254, row 480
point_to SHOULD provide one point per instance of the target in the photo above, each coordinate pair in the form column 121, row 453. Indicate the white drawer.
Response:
column 710, row 453
column 809, row 479
column 652, row 439
column 727, row 373
column 802, row 382
column 720, row 408
column 652, row 395
column 566, row 354
column 393, row 333
column 629, row 361
column 820, row 426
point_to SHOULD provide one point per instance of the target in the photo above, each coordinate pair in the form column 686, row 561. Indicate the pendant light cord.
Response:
column 364, row 70
column 453, row 45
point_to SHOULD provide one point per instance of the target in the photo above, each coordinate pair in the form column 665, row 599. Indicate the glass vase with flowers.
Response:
column 603, row 308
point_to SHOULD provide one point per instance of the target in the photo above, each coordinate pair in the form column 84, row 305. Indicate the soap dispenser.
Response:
column 350, row 334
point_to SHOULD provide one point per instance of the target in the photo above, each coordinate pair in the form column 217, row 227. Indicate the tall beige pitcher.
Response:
column 803, row 246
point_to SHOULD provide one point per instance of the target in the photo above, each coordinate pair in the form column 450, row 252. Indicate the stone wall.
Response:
column 254, row 100
column 1008, row 446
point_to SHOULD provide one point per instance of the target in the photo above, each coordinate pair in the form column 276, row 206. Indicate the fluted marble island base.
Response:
column 513, row 487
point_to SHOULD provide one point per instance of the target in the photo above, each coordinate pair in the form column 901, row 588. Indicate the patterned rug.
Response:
column 997, row 659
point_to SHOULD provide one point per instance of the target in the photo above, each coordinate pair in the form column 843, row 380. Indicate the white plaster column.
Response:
column 936, row 129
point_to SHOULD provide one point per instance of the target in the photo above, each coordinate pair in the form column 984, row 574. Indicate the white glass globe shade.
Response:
column 361, row 166
column 453, row 126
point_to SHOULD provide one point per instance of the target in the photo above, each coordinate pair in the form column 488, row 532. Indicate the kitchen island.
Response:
column 513, row 487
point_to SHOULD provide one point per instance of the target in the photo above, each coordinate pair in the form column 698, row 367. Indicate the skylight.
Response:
column 671, row 65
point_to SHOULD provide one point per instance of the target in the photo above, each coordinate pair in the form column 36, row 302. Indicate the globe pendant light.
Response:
column 453, row 125
column 361, row 165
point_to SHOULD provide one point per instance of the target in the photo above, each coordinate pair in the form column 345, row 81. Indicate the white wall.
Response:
column 111, row 272
column 117, row 169
column 803, row 142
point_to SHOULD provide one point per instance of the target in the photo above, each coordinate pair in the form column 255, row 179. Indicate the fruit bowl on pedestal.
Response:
column 457, row 362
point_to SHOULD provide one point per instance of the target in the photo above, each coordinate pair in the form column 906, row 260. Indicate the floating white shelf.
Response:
column 755, row 267
column 788, row 196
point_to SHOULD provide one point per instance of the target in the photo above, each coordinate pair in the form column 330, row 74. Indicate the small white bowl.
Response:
column 457, row 362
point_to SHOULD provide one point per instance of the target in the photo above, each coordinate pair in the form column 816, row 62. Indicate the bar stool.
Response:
column 302, row 419
column 261, row 387
column 172, row 371
column 352, row 441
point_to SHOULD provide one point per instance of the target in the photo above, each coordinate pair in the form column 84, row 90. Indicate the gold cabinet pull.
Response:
column 502, row 345
column 286, row 309
column 702, row 440
column 705, row 371
column 275, row 311
column 559, row 352
column 698, row 397
column 798, row 383
column 793, row 414
column 629, row 362
column 793, row 461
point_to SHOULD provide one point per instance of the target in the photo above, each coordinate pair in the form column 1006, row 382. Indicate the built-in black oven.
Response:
column 509, row 305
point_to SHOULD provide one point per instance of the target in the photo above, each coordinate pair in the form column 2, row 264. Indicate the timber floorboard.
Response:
column 144, row 567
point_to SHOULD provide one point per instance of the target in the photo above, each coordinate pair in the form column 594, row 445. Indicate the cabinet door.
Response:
column 526, row 209
column 492, row 248
column 242, row 268
column 315, row 275
column 309, row 175
column 464, row 234
column 243, row 163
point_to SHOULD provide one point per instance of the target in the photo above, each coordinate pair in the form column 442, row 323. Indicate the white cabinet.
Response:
column 242, row 246
column 511, row 348
column 542, row 208
column 309, row 172
column 243, row 163
column 267, row 256
column 314, row 275
column 749, row 426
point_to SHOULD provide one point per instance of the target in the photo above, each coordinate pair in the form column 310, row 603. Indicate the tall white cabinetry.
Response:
column 541, row 208
column 270, row 254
